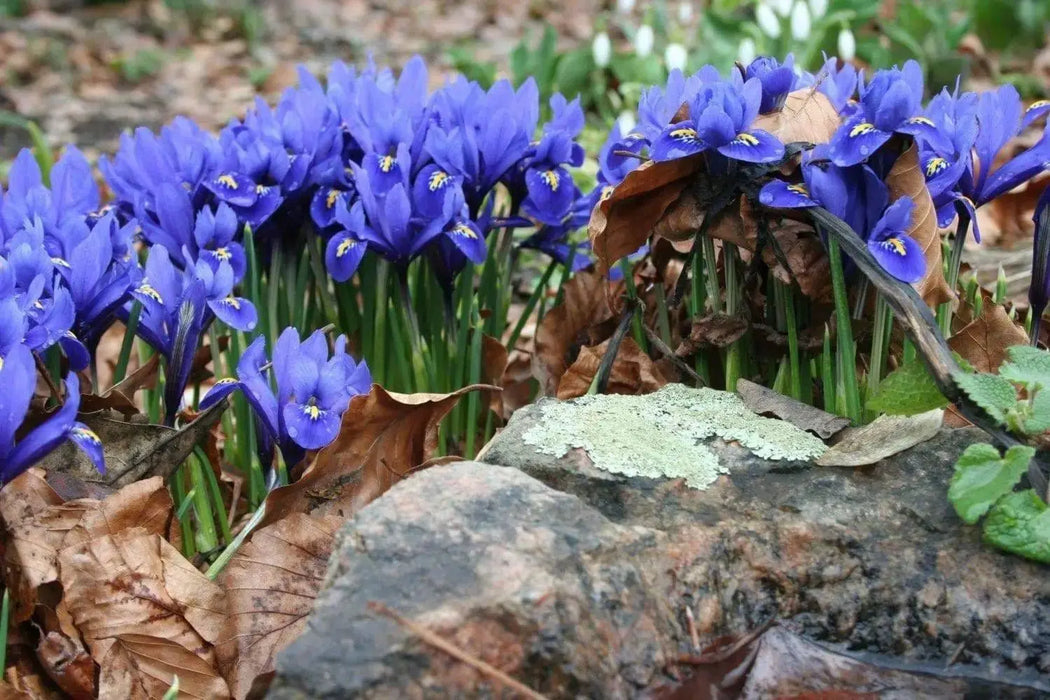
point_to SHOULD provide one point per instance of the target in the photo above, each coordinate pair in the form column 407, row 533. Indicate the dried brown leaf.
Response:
column 764, row 401
column 493, row 367
column 68, row 665
column 983, row 341
column 145, row 613
column 271, row 584
column 517, row 383
column 633, row 372
column 807, row 116
column 716, row 330
column 622, row 222
column 134, row 449
column 583, row 318
column 383, row 437
column 906, row 179
column 883, row 437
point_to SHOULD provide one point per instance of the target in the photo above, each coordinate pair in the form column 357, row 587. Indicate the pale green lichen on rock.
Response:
column 661, row 435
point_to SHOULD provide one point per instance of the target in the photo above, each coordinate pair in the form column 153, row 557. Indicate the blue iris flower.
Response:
column 836, row 82
column 857, row 196
column 548, row 183
column 974, row 130
column 313, row 390
column 890, row 103
column 18, row 377
column 778, row 79
column 178, row 306
column 721, row 118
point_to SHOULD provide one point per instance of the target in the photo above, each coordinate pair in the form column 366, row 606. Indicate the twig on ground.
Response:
column 455, row 652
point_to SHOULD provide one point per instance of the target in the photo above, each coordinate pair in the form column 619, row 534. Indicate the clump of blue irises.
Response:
column 374, row 163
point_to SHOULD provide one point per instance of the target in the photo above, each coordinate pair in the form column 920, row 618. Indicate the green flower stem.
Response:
column 734, row 353
column 880, row 344
column 951, row 274
column 227, row 554
column 794, row 356
column 530, row 305
column 845, row 348
column 216, row 494
column 697, row 299
column 207, row 535
column 272, row 295
column 663, row 319
column 473, row 397
column 711, row 272
column 178, row 495
column 379, row 333
column 127, row 343
column 632, row 296
column 827, row 374
column 321, row 279
column 5, row 620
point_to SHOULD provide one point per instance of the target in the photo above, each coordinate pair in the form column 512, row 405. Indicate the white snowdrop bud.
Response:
column 685, row 12
column 747, row 51
column 818, row 8
column 800, row 22
column 847, row 45
column 782, row 7
column 675, row 56
column 626, row 121
column 767, row 21
column 644, row 40
column 601, row 48
column 624, row 7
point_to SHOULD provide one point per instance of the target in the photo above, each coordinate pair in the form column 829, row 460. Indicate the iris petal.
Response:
column 782, row 195
column 89, row 443
column 855, row 141
column 901, row 256
column 343, row 255
column 677, row 141
column 755, row 146
column 309, row 426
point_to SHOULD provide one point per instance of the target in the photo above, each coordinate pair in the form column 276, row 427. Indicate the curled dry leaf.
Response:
column 271, row 584
column 766, row 402
column 621, row 222
column 983, row 342
column 716, row 330
column 145, row 613
column 493, row 368
column 906, row 178
column 517, row 383
column 633, row 372
column 807, row 116
column 134, row 449
column 382, row 439
column 883, row 437
column 583, row 318
column 68, row 665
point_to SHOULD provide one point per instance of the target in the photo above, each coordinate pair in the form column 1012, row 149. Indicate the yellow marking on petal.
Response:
column 861, row 129
column 261, row 189
column 437, row 180
column 344, row 247
column 935, row 166
column 386, row 163
column 223, row 253
column 87, row 434
column 232, row 302
column 799, row 189
column 227, row 181
column 896, row 244
column 1039, row 104
column 1, row 362
column 60, row 262
column 685, row 134
column 332, row 198
column 551, row 179
column 226, row 380
column 313, row 412
column 37, row 304
column 746, row 139
column 921, row 120
column 147, row 290
column 466, row 231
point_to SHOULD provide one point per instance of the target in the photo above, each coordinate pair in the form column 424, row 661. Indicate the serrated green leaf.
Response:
column 982, row 477
column 1019, row 523
column 907, row 391
column 991, row 392
column 1037, row 418
column 1027, row 366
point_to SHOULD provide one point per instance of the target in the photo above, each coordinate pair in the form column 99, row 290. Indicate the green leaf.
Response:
column 982, row 477
column 991, row 392
column 1027, row 366
column 1020, row 524
column 574, row 69
column 907, row 391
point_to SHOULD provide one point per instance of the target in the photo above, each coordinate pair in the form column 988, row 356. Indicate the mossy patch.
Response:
column 662, row 435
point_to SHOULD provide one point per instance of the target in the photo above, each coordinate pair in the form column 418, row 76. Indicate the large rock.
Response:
column 579, row 585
